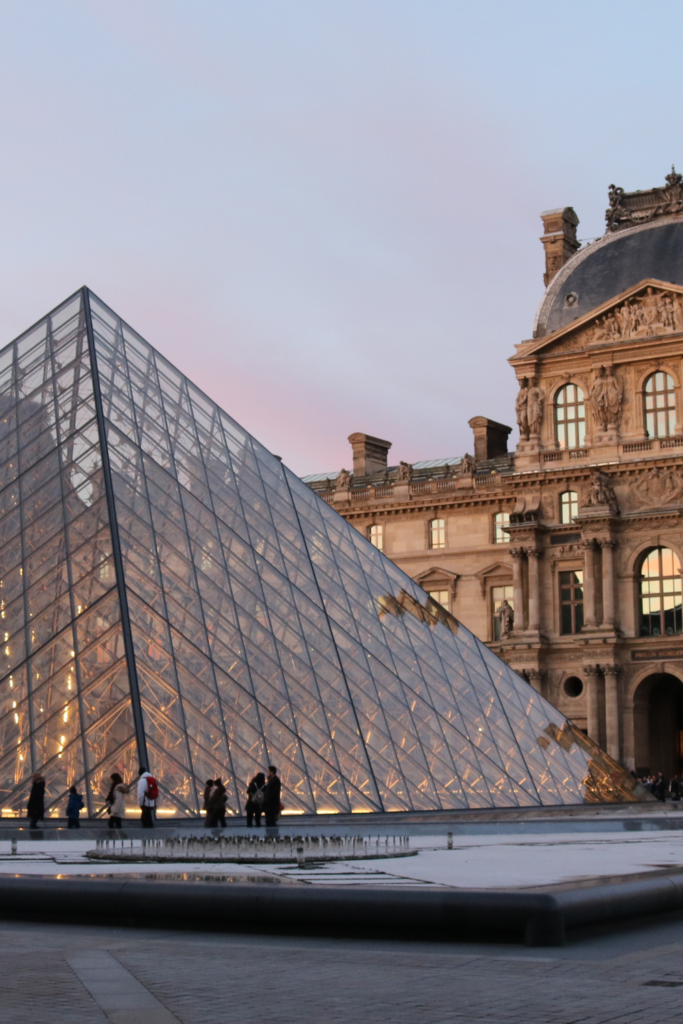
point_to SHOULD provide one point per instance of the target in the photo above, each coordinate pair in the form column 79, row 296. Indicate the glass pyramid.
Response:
column 171, row 595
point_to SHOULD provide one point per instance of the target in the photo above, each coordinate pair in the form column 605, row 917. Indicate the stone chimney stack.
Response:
column 369, row 454
column 559, row 239
column 490, row 438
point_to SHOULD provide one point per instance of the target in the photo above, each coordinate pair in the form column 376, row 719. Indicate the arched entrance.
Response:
column 658, row 713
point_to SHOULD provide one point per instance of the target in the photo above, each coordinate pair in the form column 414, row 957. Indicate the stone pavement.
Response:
column 64, row 974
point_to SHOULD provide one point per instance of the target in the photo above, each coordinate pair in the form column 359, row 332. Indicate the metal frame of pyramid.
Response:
column 172, row 595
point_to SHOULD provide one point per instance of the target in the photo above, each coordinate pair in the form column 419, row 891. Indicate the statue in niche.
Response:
column 521, row 409
column 467, row 465
column 602, row 492
column 343, row 481
column 607, row 395
column 534, row 410
column 405, row 472
column 507, row 618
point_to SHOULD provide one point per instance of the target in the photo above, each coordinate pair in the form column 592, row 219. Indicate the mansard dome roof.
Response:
column 609, row 266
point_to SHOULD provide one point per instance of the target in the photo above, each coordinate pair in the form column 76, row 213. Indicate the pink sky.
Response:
column 326, row 214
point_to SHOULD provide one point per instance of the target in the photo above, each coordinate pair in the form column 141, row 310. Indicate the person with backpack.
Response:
column 256, row 794
column 148, row 794
column 73, row 808
column 271, row 797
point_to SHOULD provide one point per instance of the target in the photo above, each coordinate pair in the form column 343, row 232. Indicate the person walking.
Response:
column 216, row 804
column 35, row 810
column 148, row 794
column 271, row 797
column 116, row 800
column 256, row 792
column 73, row 808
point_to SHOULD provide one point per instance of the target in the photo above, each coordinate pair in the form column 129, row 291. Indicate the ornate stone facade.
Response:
column 550, row 554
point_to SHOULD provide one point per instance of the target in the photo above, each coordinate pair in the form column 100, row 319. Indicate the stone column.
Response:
column 593, row 701
column 518, row 588
column 612, row 711
column 536, row 678
column 607, row 582
column 533, row 555
column 589, row 584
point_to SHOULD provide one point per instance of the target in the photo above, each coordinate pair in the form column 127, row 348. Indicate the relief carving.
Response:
column 658, row 486
column 607, row 396
column 643, row 316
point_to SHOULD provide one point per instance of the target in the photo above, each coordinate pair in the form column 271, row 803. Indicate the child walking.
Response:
column 73, row 807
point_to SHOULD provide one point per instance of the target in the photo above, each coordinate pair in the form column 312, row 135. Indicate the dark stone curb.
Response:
column 538, row 918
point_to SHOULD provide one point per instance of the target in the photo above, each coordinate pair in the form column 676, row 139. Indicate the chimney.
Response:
column 369, row 454
column 559, row 239
column 490, row 438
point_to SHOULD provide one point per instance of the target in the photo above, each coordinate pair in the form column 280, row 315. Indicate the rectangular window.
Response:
column 440, row 596
column 569, row 506
column 376, row 537
column 571, row 601
column 500, row 520
column 498, row 595
column 437, row 533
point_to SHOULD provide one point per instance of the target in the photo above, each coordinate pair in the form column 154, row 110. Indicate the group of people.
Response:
column 660, row 788
column 115, row 801
column 263, row 797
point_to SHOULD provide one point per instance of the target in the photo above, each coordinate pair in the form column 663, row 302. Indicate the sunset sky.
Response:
column 325, row 213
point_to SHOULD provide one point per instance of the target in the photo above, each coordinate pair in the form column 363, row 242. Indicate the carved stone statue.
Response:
column 467, row 465
column 343, row 481
column 521, row 409
column 602, row 492
column 607, row 395
column 614, row 397
column 405, row 472
column 507, row 618
column 535, row 409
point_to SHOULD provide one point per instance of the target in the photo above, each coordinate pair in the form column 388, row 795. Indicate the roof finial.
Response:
column 674, row 178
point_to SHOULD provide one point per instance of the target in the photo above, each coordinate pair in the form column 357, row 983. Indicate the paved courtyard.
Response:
column 88, row 975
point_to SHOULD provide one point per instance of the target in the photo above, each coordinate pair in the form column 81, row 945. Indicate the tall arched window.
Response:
column 569, row 506
column 570, row 417
column 660, row 405
column 660, row 594
column 437, row 533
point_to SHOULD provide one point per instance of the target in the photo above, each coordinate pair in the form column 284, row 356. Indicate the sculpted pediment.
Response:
column 650, row 309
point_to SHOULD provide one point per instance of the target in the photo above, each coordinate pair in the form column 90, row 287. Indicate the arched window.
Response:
column 500, row 520
column 569, row 506
column 437, row 533
column 376, row 536
column 660, row 594
column 570, row 417
column 660, row 405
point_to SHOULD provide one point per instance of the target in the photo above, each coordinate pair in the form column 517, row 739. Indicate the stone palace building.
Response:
column 565, row 555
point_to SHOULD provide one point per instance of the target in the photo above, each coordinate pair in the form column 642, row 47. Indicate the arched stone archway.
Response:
column 658, row 724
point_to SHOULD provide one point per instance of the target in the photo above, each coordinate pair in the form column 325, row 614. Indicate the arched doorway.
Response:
column 658, row 710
